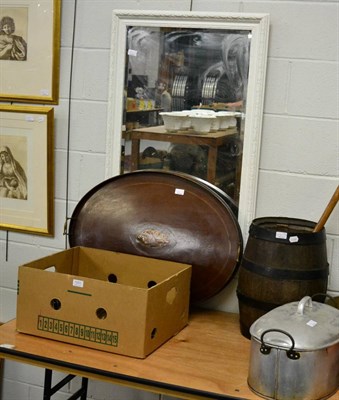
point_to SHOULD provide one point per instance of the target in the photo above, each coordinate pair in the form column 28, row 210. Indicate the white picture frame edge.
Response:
column 258, row 24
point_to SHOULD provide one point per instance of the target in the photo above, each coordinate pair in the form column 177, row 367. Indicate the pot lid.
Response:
column 305, row 325
column 164, row 215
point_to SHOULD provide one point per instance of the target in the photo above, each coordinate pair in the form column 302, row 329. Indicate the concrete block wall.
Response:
column 299, row 152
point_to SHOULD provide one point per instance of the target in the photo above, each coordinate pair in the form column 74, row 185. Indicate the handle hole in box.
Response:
column 153, row 333
column 101, row 313
column 55, row 304
column 112, row 278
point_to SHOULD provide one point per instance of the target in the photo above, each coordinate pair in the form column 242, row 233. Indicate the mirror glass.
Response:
column 184, row 98
column 186, row 93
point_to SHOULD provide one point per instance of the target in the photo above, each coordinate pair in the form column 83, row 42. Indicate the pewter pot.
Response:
column 295, row 352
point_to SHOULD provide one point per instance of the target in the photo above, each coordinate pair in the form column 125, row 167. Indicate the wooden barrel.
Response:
column 283, row 261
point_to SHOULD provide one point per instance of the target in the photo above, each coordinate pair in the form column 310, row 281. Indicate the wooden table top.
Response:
column 160, row 132
column 209, row 358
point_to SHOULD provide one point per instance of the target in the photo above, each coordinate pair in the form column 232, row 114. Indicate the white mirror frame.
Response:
column 258, row 24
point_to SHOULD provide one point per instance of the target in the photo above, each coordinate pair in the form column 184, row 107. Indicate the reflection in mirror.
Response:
column 186, row 94
column 184, row 102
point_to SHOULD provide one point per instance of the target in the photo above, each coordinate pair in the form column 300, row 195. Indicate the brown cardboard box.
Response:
column 109, row 301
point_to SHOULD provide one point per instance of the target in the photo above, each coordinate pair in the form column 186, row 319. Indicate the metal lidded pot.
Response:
column 295, row 352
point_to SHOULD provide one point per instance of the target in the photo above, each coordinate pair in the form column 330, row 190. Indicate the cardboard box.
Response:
column 105, row 300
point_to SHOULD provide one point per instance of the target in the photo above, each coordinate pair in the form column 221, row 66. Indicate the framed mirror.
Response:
column 186, row 94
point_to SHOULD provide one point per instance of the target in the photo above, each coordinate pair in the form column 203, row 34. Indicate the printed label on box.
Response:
column 78, row 331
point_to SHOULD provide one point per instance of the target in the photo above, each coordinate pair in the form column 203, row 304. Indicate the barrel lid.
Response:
column 306, row 324
column 165, row 215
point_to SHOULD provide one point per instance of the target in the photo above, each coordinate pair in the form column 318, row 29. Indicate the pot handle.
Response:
column 307, row 300
column 265, row 349
column 331, row 298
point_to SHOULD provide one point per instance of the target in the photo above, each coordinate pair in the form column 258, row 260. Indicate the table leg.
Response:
column 2, row 362
column 212, row 163
column 135, row 154
column 50, row 390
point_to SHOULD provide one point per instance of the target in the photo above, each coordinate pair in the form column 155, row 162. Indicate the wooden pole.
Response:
column 330, row 206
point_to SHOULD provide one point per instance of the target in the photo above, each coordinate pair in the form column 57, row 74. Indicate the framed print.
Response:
column 27, row 169
column 30, row 50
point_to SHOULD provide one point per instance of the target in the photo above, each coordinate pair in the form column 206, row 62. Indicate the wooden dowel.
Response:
column 330, row 206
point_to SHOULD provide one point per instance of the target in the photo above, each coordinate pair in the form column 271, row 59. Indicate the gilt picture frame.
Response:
column 30, row 51
column 27, row 169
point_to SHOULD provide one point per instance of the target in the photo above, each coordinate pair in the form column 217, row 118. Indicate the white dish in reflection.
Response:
column 227, row 119
column 202, row 123
column 215, row 125
column 174, row 121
